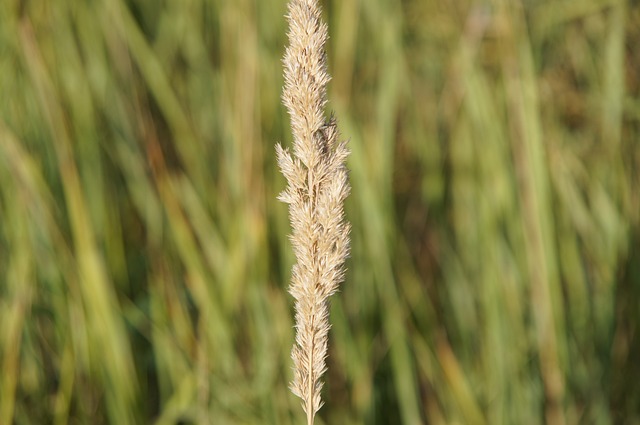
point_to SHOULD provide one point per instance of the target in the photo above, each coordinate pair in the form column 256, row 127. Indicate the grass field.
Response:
column 494, row 275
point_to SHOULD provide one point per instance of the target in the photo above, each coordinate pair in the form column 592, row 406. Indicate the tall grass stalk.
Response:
column 317, row 187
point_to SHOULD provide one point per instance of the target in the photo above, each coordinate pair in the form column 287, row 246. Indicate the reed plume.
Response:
column 317, row 187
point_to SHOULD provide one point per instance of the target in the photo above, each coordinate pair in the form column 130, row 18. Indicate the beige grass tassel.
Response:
column 317, row 187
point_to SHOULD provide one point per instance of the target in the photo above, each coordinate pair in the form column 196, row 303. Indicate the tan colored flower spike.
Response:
column 317, row 187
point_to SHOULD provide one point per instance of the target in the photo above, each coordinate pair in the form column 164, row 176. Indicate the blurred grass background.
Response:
column 144, row 259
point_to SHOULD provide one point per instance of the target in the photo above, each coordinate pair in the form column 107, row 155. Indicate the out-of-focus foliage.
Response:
column 144, row 259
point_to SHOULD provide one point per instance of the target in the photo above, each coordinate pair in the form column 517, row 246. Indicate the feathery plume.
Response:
column 317, row 187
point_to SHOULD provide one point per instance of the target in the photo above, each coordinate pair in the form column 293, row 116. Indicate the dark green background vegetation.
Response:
column 144, row 259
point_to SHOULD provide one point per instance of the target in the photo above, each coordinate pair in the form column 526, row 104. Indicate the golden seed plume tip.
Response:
column 317, row 185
